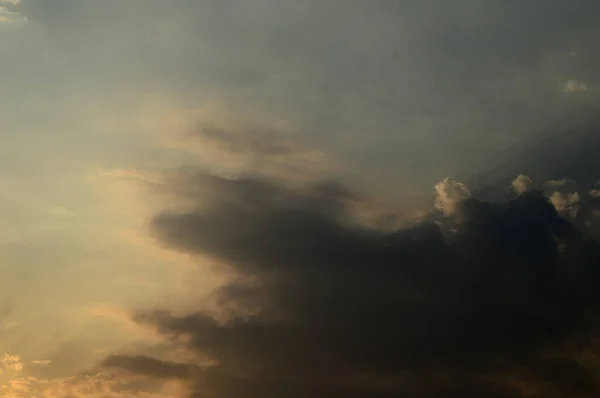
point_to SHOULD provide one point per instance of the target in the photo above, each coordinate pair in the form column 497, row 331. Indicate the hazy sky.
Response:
column 102, row 100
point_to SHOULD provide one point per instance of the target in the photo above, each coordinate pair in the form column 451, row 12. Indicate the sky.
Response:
column 194, row 194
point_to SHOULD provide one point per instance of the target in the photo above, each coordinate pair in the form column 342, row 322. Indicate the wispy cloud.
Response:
column 41, row 362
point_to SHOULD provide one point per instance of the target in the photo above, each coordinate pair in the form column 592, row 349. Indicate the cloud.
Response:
column 595, row 191
column 121, row 320
column 449, row 193
column 559, row 183
column 10, row 17
column 522, row 184
column 150, row 366
column 326, row 307
column 564, row 202
column 572, row 86
column 567, row 149
column 581, row 209
column 91, row 385
column 11, row 363
column 262, row 152
column 41, row 362
column 259, row 151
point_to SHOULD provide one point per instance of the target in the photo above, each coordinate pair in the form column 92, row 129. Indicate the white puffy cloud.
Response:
column 449, row 193
column 564, row 202
column 522, row 184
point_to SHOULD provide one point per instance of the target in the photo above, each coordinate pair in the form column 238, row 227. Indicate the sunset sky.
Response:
column 115, row 111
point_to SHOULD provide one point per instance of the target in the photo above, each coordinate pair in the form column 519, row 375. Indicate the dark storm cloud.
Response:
column 347, row 311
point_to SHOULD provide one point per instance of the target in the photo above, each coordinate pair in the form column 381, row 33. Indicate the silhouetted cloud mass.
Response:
column 505, row 306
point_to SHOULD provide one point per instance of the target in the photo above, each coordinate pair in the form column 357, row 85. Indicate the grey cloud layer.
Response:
column 409, row 85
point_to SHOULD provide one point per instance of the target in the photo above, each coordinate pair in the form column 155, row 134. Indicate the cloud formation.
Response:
column 89, row 385
column 572, row 86
column 522, row 184
column 10, row 363
column 408, row 90
column 241, row 150
column 564, row 202
column 449, row 193
column 7, row 16
column 325, row 307
column 19, row 382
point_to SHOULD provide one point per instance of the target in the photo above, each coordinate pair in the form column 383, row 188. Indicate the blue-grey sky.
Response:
column 100, row 97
